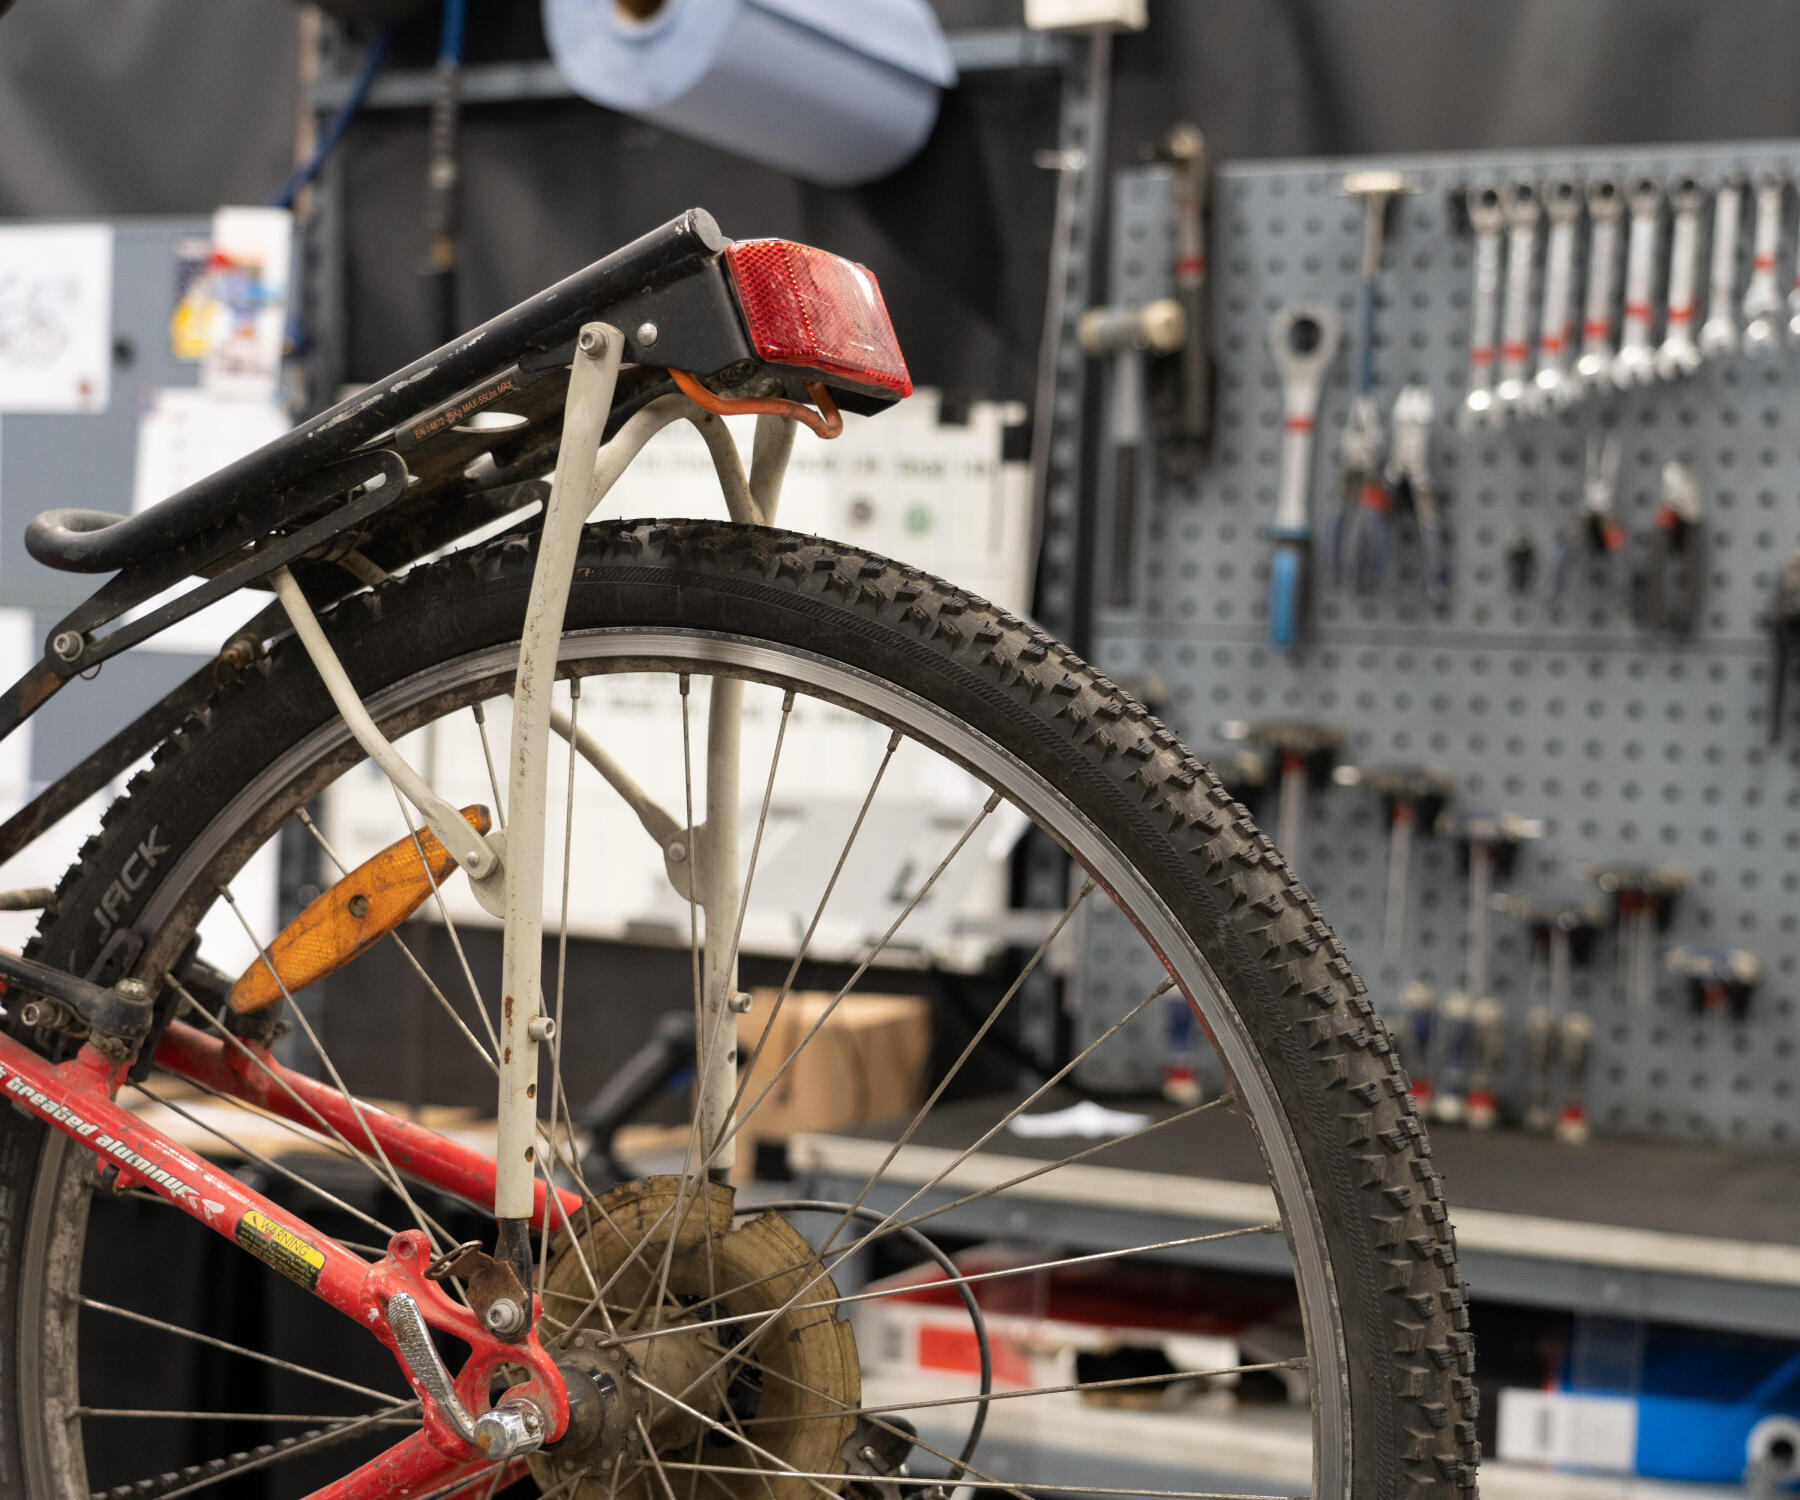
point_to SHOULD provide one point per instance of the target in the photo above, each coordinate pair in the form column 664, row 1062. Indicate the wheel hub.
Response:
column 671, row 1383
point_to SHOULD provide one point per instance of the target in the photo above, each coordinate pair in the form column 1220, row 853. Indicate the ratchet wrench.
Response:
column 1635, row 363
column 1593, row 370
column 1555, row 386
column 1523, row 210
column 1762, row 298
column 1487, row 214
column 1679, row 354
column 1719, row 333
column 1304, row 339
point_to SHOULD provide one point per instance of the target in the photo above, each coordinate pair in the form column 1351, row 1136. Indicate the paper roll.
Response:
column 835, row 93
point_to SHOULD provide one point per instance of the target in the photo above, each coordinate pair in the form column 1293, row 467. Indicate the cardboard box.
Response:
column 866, row 1063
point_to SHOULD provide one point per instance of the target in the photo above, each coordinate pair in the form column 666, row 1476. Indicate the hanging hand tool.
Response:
column 1487, row 1027
column 1643, row 906
column 1491, row 841
column 1540, row 1034
column 1488, row 214
column 1635, row 363
column 441, row 178
column 1720, row 980
column 1676, row 572
column 1605, row 208
column 1304, row 338
column 1414, row 798
column 1595, row 528
column 1306, row 750
column 1185, row 148
column 1356, row 534
column 1515, row 393
column 1577, row 1049
column 1762, row 297
column 1521, row 563
column 1417, row 1015
column 1409, row 481
column 1564, row 935
column 1784, row 631
column 1719, row 333
column 1556, row 386
column 1679, row 355
column 1126, row 336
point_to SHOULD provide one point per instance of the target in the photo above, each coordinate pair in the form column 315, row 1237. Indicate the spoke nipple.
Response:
column 541, row 1029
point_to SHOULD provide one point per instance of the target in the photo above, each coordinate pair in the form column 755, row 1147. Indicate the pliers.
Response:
column 1676, row 571
column 1595, row 527
column 1409, row 474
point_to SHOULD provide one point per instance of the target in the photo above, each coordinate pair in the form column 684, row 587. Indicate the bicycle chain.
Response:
column 215, row 1469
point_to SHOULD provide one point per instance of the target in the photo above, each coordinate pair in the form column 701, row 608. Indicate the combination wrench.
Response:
column 1304, row 340
column 1556, row 388
column 1523, row 210
column 1719, row 333
column 1679, row 354
column 1762, row 298
column 1635, row 363
column 1488, row 215
column 1605, row 208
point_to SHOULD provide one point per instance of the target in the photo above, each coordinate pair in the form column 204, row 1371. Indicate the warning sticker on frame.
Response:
column 281, row 1248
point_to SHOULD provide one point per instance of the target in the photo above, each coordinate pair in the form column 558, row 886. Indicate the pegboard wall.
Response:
column 1630, row 746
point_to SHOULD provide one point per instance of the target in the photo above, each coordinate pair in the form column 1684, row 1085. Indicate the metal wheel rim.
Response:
column 645, row 648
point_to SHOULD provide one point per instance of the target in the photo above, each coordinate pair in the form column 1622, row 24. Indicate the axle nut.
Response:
column 510, row 1430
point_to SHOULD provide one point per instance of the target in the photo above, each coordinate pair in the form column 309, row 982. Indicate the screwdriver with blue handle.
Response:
column 1304, row 338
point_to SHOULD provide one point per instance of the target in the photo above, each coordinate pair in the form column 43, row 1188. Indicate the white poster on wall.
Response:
column 55, row 317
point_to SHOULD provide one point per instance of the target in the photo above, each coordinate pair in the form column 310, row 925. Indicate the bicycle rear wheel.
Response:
column 983, row 713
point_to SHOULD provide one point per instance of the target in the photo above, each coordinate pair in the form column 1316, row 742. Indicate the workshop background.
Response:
column 1565, row 729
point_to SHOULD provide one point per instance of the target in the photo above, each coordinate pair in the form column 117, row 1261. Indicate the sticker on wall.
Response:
column 55, row 317
column 245, row 292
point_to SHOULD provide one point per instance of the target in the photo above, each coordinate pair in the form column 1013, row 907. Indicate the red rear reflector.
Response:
column 817, row 311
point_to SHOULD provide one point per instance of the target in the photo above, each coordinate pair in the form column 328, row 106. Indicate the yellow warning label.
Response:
column 280, row 1247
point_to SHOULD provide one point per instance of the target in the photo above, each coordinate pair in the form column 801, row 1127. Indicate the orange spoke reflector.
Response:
column 361, row 909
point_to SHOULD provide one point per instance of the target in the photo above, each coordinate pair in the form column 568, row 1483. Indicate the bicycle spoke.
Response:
column 487, row 1021
column 399, row 942
column 762, row 822
column 717, row 1426
column 1121, row 1383
column 915, row 1482
column 656, row 1460
column 238, row 1349
column 1087, row 888
column 862, row 968
column 888, row 1224
column 239, row 1416
column 297, row 1449
column 562, row 970
column 787, row 983
column 487, row 754
column 751, row 1321
column 419, row 1217
column 380, row 1176
column 264, row 1162
column 692, row 1171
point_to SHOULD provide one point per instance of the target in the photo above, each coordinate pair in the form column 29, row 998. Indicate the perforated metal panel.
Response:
column 1631, row 746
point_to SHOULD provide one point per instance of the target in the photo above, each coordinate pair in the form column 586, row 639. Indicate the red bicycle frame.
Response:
column 77, row 1098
